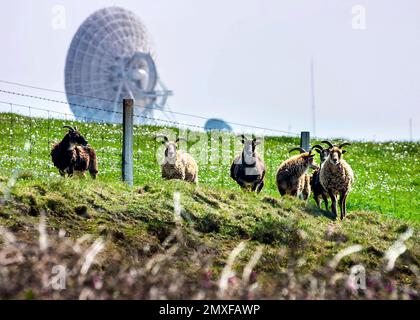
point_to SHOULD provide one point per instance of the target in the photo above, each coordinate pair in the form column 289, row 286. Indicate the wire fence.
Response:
column 28, row 140
column 28, row 131
column 241, row 126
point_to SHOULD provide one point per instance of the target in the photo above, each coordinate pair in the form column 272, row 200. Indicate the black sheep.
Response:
column 73, row 154
column 248, row 169
column 316, row 185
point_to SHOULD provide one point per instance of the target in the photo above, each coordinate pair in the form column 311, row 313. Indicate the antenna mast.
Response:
column 313, row 98
column 411, row 129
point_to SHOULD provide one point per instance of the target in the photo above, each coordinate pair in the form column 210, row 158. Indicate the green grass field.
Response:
column 387, row 174
column 184, row 255
column 140, row 230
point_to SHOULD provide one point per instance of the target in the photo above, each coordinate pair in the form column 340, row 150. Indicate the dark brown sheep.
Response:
column 292, row 176
column 316, row 186
column 73, row 155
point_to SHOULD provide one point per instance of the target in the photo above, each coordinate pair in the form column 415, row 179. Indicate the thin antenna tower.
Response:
column 411, row 129
column 313, row 98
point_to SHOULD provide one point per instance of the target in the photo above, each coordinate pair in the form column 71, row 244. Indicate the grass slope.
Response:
column 212, row 218
column 387, row 174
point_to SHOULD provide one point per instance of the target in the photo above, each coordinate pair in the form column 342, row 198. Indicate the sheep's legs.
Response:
column 281, row 191
column 79, row 174
column 241, row 184
column 343, row 197
column 259, row 186
column 333, row 203
column 93, row 172
column 318, row 201
column 325, row 198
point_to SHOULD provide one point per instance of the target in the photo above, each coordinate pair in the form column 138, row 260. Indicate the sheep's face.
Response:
column 309, row 161
column 323, row 154
column 76, row 138
column 170, row 151
column 249, row 150
column 335, row 154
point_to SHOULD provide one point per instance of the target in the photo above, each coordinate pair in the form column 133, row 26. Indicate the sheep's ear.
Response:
column 165, row 138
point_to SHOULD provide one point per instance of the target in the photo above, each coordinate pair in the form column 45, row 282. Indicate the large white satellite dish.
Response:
column 111, row 58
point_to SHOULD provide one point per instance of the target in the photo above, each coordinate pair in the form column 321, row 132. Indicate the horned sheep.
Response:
column 73, row 154
column 316, row 186
column 337, row 177
column 248, row 169
column 177, row 163
column 292, row 175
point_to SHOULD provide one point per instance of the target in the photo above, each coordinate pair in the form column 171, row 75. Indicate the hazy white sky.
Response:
column 248, row 60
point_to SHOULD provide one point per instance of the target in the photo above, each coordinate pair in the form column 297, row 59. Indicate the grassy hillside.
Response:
column 387, row 174
column 153, row 249
column 215, row 241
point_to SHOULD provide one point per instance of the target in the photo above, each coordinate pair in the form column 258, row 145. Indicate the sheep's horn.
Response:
column 165, row 138
column 328, row 142
column 298, row 148
column 69, row 127
column 344, row 144
column 316, row 146
column 243, row 139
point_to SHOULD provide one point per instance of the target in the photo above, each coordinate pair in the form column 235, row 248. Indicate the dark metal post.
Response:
column 305, row 140
column 127, row 153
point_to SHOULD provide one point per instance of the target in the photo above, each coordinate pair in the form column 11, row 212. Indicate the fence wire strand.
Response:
column 175, row 123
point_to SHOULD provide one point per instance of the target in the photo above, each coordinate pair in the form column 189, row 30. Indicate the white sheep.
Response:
column 177, row 163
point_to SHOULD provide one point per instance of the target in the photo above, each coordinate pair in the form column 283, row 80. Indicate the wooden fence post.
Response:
column 305, row 140
column 127, row 153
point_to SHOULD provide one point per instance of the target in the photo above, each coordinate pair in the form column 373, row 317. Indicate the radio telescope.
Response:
column 110, row 58
column 217, row 124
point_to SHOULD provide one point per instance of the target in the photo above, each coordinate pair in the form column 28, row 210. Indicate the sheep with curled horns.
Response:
column 247, row 168
column 336, row 176
column 316, row 186
column 73, row 154
column 292, row 176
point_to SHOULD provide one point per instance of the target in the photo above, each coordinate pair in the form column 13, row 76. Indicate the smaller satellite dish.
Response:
column 217, row 124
